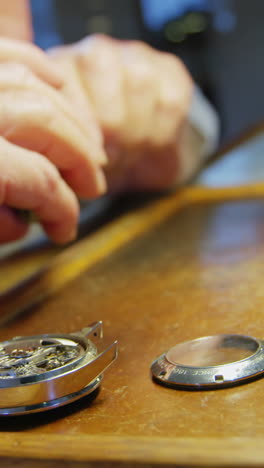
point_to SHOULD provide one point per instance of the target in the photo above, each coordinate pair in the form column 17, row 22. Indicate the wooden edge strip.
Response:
column 235, row 452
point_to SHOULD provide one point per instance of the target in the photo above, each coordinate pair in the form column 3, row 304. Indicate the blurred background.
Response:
column 220, row 41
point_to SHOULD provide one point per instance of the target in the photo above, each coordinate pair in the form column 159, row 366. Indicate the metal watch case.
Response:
column 211, row 362
column 41, row 372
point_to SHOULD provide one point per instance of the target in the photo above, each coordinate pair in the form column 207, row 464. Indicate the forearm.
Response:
column 15, row 19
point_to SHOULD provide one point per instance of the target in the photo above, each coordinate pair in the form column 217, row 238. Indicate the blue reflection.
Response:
column 44, row 24
column 157, row 13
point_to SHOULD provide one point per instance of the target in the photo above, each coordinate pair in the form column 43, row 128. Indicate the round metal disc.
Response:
column 211, row 361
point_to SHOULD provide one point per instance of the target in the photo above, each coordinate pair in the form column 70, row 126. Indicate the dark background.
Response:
column 221, row 42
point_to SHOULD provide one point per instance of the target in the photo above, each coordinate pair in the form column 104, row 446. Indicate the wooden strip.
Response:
column 235, row 452
column 72, row 262
column 252, row 132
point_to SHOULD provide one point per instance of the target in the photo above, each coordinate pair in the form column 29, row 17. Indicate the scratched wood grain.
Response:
column 187, row 265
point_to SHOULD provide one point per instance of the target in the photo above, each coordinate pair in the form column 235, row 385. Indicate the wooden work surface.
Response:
column 187, row 265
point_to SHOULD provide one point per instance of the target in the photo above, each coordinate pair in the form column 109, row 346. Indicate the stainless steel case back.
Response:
column 45, row 371
column 210, row 362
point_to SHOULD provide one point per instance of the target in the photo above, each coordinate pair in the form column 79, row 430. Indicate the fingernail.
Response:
column 100, row 181
column 102, row 158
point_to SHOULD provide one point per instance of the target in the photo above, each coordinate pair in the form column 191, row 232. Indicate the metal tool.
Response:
column 211, row 362
column 41, row 372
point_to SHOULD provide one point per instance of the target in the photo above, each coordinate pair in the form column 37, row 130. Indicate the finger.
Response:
column 15, row 20
column 175, row 88
column 74, row 90
column 140, row 90
column 37, row 117
column 12, row 227
column 12, row 50
column 29, row 181
column 99, row 64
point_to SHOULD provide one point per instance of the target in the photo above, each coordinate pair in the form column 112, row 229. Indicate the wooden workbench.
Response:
column 185, row 265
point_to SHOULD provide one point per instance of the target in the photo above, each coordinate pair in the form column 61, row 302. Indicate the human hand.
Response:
column 141, row 99
column 46, row 157
column 15, row 19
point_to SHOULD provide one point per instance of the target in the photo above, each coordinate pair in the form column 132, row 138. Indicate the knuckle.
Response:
column 175, row 91
column 139, row 46
column 12, row 73
column 50, row 177
column 99, row 38
column 138, row 74
column 20, row 109
column 139, row 79
column 94, row 44
column 175, row 66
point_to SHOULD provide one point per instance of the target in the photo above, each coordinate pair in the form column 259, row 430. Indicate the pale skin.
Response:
column 80, row 120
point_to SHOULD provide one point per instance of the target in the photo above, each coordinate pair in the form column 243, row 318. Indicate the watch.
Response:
column 42, row 372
